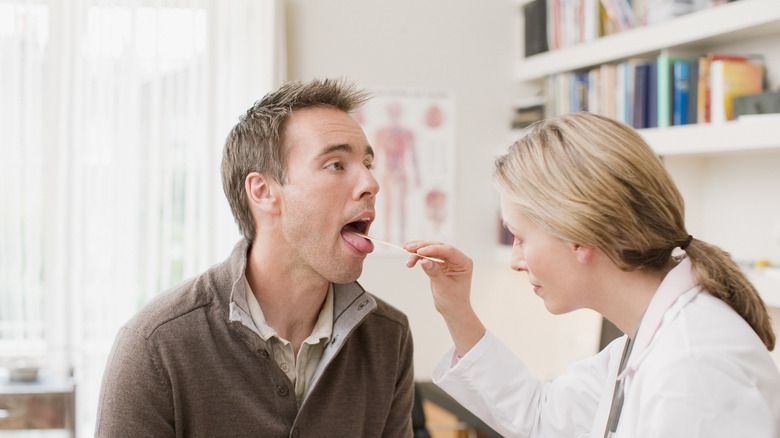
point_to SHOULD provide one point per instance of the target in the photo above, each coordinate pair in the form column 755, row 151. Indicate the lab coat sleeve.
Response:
column 498, row 388
column 703, row 396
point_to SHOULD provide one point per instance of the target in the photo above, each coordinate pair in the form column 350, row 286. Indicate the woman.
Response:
column 596, row 219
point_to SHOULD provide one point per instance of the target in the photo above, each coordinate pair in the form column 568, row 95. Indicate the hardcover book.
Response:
column 535, row 13
column 680, row 92
column 729, row 79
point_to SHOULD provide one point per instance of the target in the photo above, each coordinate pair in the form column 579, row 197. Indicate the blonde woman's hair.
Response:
column 592, row 180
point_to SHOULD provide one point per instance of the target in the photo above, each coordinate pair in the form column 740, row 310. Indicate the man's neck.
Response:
column 290, row 300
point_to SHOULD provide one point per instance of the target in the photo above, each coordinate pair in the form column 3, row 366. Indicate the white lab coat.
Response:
column 697, row 369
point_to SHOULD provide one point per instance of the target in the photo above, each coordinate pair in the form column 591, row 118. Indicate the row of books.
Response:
column 553, row 24
column 657, row 92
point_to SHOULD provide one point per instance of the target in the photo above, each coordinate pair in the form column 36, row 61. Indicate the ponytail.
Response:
column 721, row 277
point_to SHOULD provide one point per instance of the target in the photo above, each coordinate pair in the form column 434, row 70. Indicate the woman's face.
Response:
column 552, row 264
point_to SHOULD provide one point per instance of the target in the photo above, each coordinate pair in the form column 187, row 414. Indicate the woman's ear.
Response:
column 583, row 252
column 261, row 192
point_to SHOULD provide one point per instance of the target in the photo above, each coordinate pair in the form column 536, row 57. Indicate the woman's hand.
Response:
column 451, row 289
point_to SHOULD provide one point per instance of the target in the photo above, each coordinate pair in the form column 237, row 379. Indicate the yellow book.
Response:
column 729, row 79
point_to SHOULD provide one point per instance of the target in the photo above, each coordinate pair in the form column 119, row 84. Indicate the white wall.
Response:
column 469, row 48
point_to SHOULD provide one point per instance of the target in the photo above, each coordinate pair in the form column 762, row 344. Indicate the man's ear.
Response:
column 583, row 252
column 262, row 192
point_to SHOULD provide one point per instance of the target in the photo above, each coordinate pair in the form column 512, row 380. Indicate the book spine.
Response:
column 640, row 96
column 680, row 98
column 652, row 95
column 693, row 91
column 664, row 73
column 703, row 93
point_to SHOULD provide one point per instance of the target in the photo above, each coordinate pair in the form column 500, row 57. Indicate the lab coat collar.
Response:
column 678, row 281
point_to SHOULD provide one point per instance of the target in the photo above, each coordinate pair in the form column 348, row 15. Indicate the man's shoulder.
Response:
column 195, row 294
column 388, row 311
column 209, row 290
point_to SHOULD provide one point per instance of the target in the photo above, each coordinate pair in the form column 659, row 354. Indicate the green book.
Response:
column 665, row 83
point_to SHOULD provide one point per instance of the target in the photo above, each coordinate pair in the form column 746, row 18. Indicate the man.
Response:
column 279, row 340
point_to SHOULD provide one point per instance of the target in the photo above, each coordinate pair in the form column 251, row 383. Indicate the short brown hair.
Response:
column 256, row 143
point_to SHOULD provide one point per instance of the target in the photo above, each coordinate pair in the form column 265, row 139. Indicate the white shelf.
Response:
column 746, row 134
column 743, row 19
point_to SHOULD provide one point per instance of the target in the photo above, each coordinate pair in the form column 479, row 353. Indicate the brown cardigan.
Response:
column 188, row 365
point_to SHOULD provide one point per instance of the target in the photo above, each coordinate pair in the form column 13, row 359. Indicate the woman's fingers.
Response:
column 455, row 262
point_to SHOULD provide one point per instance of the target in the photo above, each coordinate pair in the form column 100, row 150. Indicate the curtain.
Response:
column 113, row 115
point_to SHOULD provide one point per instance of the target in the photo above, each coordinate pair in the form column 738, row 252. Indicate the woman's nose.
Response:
column 517, row 263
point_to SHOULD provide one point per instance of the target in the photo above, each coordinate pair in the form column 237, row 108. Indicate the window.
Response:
column 113, row 118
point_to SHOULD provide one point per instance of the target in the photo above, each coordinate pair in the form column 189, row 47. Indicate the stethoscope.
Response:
column 618, row 395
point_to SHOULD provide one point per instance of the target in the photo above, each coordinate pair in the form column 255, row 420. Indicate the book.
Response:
column 589, row 22
column 703, row 91
column 553, row 24
column 665, row 74
column 525, row 116
column 652, row 95
column 630, row 78
column 729, row 79
column 680, row 92
column 535, row 14
column 594, row 91
column 607, row 89
column 621, row 94
column 620, row 13
column 641, row 73
column 578, row 91
column 693, row 90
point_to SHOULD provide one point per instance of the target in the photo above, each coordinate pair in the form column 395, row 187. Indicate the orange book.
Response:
column 703, row 94
column 729, row 79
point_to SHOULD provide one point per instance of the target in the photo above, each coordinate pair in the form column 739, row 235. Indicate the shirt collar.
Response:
column 323, row 328
column 678, row 281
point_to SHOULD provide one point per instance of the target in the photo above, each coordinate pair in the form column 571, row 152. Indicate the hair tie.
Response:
column 687, row 242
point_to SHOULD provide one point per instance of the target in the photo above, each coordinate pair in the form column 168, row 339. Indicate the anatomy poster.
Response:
column 413, row 136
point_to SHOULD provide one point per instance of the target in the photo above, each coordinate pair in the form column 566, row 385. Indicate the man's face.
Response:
column 329, row 191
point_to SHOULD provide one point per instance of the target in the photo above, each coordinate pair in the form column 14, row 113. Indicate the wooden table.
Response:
column 38, row 405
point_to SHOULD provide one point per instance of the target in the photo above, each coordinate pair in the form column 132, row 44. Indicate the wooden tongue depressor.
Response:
column 434, row 259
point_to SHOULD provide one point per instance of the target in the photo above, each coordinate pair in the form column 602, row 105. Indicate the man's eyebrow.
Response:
column 344, row 148
column 336, row 148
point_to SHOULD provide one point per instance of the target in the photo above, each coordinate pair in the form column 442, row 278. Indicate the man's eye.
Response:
column 516, row 241
column 336, row 165
column 370, row 166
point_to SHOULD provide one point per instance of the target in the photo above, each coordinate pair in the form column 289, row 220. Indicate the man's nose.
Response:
column 368, row 185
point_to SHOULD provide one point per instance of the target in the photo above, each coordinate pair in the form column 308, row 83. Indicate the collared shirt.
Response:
column 192, row 363
column 298, row 369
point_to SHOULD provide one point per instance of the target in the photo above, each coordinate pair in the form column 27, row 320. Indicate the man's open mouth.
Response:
column 360, row 244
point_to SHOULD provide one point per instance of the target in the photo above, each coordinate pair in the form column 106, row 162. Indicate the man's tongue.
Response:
column 361, row 244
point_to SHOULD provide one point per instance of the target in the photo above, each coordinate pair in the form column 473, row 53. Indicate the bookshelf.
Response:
column 716, row 165
column 702, row 30
column 717, row 138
